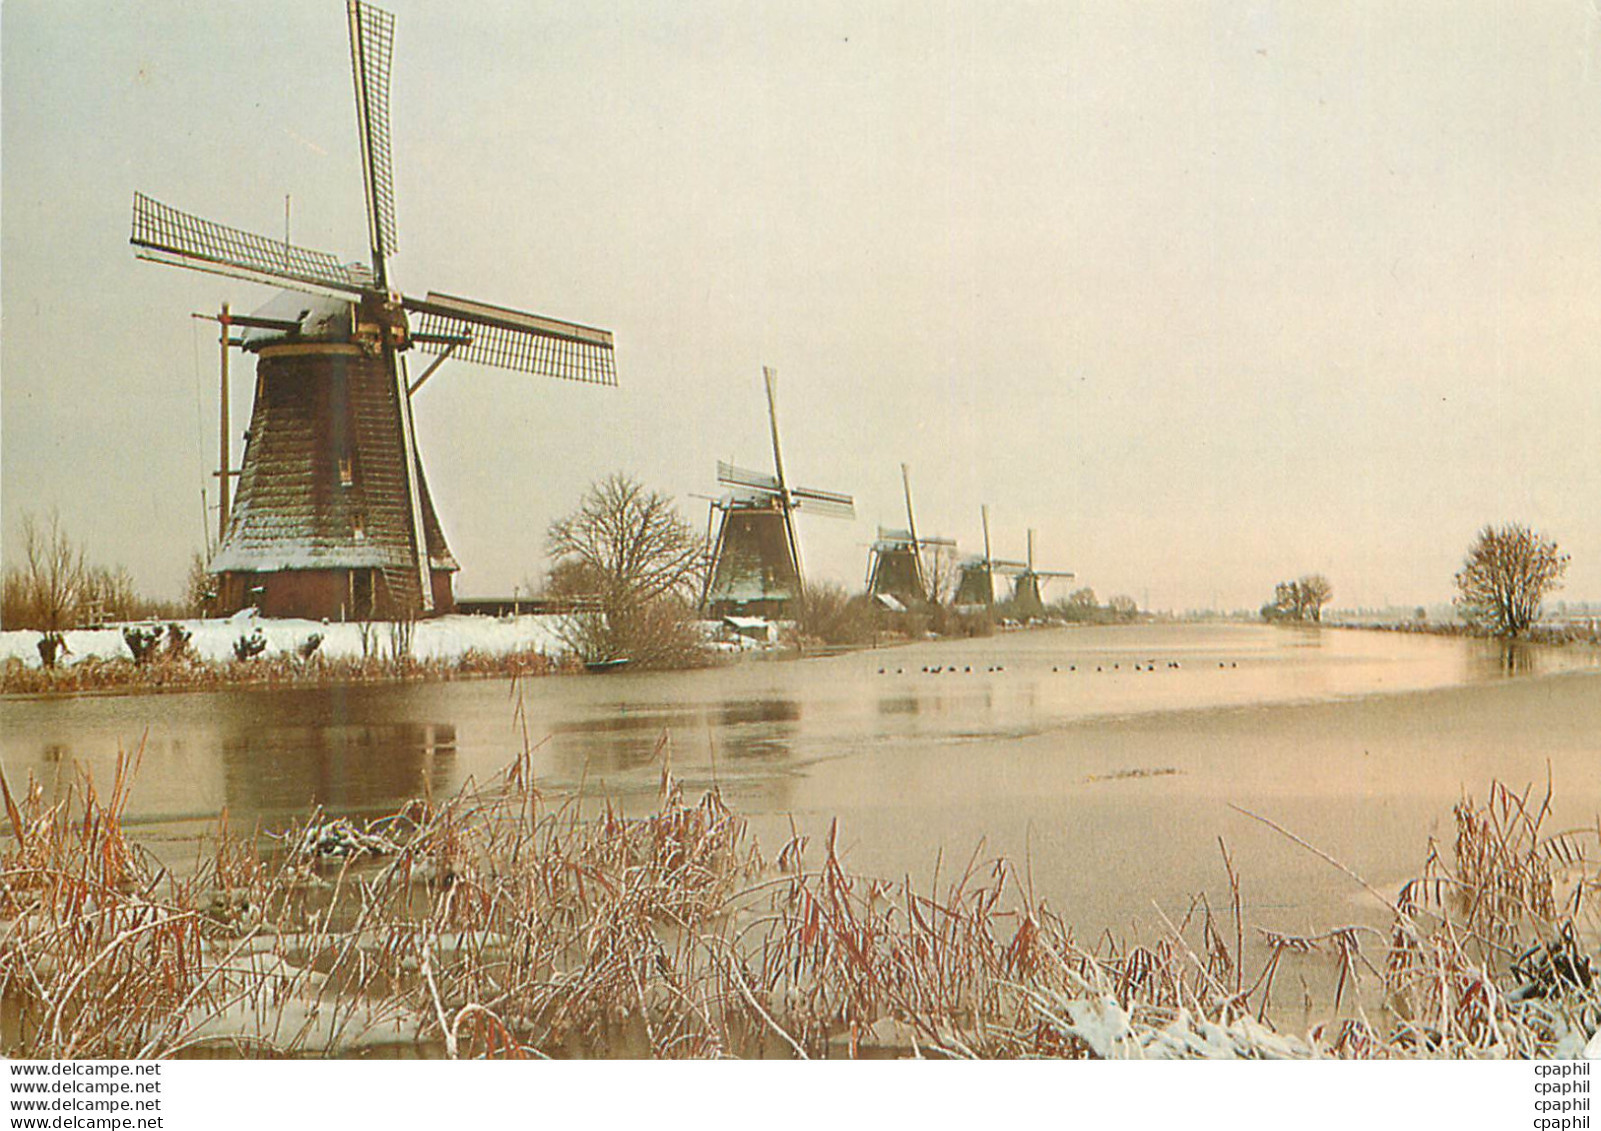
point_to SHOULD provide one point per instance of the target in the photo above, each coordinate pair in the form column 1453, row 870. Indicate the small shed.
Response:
column 750, row 628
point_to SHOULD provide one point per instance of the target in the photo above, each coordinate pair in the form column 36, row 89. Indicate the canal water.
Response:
column 1106, row 763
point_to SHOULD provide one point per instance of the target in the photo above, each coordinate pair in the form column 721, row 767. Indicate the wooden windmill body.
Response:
column 756, row 561
column 1027, row 598
column 976, row 586
column 895, row 566
column 333, row 517
column 324, row 519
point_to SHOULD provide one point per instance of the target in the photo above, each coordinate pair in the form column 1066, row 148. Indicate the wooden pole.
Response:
column 222, row 433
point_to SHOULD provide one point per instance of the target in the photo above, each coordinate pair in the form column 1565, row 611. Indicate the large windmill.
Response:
column 756, row 566
column 333, row 517
column 977, row 583
column 895, row 566
column 1026, row 590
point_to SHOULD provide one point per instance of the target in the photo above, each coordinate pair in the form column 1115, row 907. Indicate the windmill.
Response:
column 756, row 567
column 1026, row 588
column 977, row 583
column 333, row 517
column 895, row 562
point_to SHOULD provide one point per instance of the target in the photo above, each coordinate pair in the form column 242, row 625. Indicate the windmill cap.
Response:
column 320, row 317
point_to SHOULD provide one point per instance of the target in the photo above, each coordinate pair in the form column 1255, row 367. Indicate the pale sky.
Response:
column 1208, row 294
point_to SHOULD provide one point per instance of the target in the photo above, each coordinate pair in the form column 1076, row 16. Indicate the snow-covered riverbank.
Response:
column 291, row 652
column 445, row 639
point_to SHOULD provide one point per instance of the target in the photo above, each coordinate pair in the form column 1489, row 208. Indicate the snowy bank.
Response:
column 445, row 639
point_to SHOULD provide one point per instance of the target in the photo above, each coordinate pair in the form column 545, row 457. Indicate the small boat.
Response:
column 599, row 666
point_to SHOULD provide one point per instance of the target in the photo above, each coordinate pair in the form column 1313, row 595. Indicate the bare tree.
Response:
column 53, row 575
column 1300, row 600
column 943, row 573
column 1506, row 574
column 14, row 599
column 1286, row 603
column 1314, row 591
column 200, row 588
column 109, row 595
column 571, row 578
column 1080, row 606
column 629, row 547
column 630, row 542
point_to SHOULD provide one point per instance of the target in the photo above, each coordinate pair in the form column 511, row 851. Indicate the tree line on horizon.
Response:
column 629, row 547
column 52, row 585
column 1506, row 575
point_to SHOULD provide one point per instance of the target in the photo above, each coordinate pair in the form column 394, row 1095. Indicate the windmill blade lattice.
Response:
column 831, row 504
column 372, row 45
column 167, row 235
column 512, row 339
column 732, row 475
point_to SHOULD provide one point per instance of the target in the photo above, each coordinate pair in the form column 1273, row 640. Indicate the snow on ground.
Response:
column 439, row 638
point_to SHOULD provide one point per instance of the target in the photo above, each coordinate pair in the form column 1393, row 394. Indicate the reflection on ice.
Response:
column 1041, row 745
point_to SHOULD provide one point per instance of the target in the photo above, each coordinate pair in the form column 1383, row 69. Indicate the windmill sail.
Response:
column 732, row 475
column 830, row 503
column 513, row 339
column 372, row 44
column 165, row 234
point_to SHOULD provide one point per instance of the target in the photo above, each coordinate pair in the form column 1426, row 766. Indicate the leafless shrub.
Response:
column 249, row 647
column 402, row 635
column 946, row 620
column 662, row 633
column 285, row 670
column 826, row 612
column 141, row 642
column 52, row 646
column 179, row 643
column 200, row 588
column 45, row 591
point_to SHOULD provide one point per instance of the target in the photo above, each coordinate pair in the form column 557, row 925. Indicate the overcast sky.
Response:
column 1209, row 295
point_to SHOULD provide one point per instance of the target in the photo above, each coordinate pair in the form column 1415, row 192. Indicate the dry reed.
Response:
column 183, row 673
column 500, row 923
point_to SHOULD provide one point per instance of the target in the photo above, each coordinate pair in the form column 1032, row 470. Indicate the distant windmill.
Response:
column 895, row 565
column 1026, row 590
column 333, row 516
column 977, row 583
column 756, row 565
